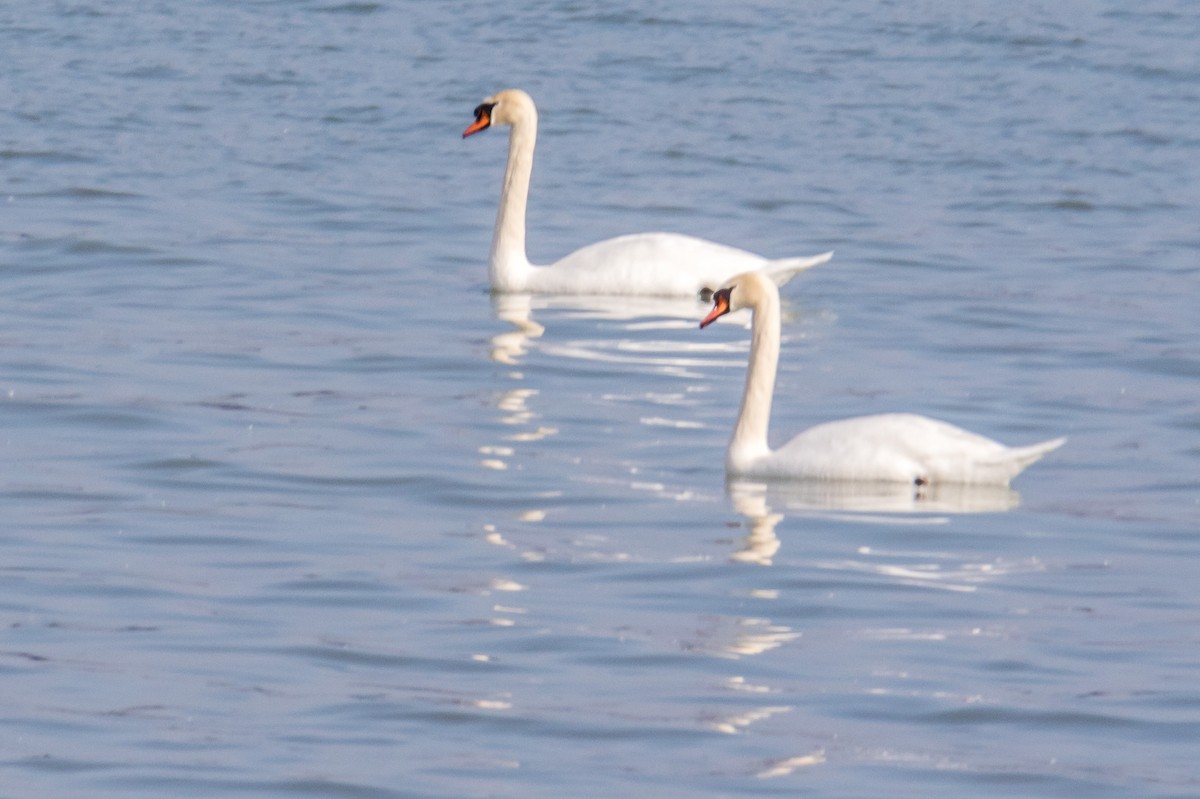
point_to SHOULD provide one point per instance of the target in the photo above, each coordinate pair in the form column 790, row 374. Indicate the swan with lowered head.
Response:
column 889, row 447
column 652, row 264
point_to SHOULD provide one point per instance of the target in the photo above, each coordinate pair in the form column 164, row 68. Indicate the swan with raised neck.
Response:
column 650, row 264
column 889, row 447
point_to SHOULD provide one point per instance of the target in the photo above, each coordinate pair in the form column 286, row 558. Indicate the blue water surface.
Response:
column 293, row 506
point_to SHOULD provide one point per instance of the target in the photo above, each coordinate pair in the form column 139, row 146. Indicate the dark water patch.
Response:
column 183, row 464
column 115, row 419
column 191, row 106
column 90, row 246
column 284, row 788
column 284, row 79
column 316, row 586
column 46, row 156
column 626, row 18
column 153, row 72
column 235, row 403
column 71, row 408
column 86, row 193
column 352, row 9
column 82, row 501
column 1009, row 666
column 1028, row 779
column 1072, row 205
column 1095, row 723
column 1168, row 365
column 355, row 115
column 222, row 540
column 1045, row 42
column 25, row 657
column 1140, row 136
column 345, row 656
column 54, row 764
column 680, row 663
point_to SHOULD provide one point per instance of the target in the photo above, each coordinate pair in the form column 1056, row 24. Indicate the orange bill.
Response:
column 482, row 121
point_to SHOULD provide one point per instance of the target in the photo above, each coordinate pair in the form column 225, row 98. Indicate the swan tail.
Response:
column 784, row 269
column 1021, row 457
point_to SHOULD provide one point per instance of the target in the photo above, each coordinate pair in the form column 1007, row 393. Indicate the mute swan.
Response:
column 891, row 447
column 656, row 264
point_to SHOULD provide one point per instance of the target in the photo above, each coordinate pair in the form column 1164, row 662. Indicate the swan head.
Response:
column 742, row 291
column 509, row 107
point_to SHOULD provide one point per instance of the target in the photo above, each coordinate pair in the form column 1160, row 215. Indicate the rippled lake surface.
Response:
column 292, row 506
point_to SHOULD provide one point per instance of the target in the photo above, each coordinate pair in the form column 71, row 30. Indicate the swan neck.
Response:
column 750, row 433
column 509, row 264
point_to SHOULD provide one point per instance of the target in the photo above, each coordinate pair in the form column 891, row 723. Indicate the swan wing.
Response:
column 661, row 264
column 903, row 447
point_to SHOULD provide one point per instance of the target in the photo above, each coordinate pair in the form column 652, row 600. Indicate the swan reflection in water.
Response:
column 814, row 496
column 639, row 314
column 883, row 503
column 509, row 348
column 641, row 317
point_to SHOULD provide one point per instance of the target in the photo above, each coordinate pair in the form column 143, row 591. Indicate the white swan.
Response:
column 658, row 264
column 891, row 447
